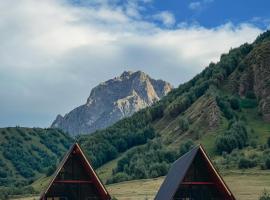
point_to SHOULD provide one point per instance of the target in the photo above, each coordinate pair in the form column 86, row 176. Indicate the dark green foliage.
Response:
column 263, row 37
column 267, row 163
column 225, row 107
column 250, row 95
column 21, row 159
column 51, row 170
column 6, row 193
column 119, row 177
column 3, row 195
column 50, row 140
column 183, row 124
column 21, row 148
column 245, row 163
column 265, row 195
column 148, row 161
column 201, row 89
column 235, row 137
column 179, row 106
column 105, row 145
column 248, row 103
column 268, row 142
column 235, row 103
column 186, row 147
column 158, row 169
column 157, row 111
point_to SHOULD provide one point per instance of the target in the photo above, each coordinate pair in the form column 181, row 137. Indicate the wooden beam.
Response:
column 72, row 181
column 198, row 183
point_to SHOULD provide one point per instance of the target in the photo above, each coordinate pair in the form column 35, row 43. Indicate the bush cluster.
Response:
column 236, row 137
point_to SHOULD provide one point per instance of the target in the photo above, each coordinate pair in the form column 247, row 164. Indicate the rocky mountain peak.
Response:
column 112, row 100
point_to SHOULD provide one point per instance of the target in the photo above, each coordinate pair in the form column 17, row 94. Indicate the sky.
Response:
column 53, row 52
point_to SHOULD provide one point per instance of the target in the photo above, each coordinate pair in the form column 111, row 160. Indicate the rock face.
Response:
column 255, row 77
column 111, row 101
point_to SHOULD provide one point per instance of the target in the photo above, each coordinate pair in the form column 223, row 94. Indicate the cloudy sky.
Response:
column 53, row 52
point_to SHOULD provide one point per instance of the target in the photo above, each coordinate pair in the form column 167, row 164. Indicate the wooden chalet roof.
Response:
column 96, row 180
column 178, row 171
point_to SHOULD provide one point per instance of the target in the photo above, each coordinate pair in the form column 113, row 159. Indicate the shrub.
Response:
column 118, row 177
column 225, row 107
column 250, row 95
column 235, row 137
column 179, row 105
column 159, row 169
column 3, row 194
column 235, row 103
column 267, row 163
column 184, row 124
column 265, row 195
column 186, row 147
column 245, row 163
column 50, row 170
column 268, row 142
column 248, row 103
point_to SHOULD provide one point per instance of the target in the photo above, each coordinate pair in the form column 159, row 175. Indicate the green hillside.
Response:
column 226, row 108
column 26, row 154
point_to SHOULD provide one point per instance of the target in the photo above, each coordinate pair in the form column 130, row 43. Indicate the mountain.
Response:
column 226, row 108
column 111, row 101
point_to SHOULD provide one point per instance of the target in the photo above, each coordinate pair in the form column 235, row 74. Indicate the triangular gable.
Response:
column 178, row 179
column 75, row 173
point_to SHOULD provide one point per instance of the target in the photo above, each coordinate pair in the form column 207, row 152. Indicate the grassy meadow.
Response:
column 245, row 186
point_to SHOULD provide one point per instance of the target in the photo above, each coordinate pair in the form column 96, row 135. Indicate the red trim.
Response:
column 72, row 181
column 198, row 183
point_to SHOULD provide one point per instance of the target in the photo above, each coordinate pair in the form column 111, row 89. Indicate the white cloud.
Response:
column 195, row 5
column 53, row 53
column 198, row 5
column 165, row 17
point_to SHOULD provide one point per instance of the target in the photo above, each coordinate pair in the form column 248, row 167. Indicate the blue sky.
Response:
column 212, row 13
column 207, row 13
column 53, row 52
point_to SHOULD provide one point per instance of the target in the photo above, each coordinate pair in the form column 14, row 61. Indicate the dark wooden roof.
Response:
column 96, row 180
column 176, row 175
column 178, row 171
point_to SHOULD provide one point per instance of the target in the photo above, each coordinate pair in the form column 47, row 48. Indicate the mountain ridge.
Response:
column 113, row 100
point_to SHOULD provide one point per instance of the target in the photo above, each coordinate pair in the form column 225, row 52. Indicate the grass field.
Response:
column 245, row 186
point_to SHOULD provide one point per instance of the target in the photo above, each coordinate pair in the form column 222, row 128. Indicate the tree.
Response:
column 186, row 147
column 119, row 177
column 267, row 163
column 245, row 163
column 50, row 170
column 235, row 103
column 268, row 142
column 235, row 137
column 183, row 124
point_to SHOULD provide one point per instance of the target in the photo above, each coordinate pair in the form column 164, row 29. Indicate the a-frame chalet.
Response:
column 75, row 179
column 193, row 176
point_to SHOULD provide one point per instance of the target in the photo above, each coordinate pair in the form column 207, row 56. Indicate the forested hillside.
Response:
column 26, row 154
column 226, row 107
